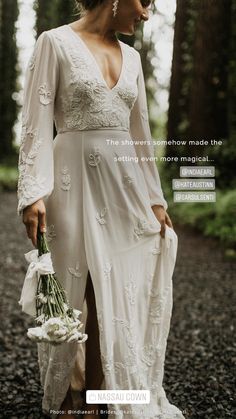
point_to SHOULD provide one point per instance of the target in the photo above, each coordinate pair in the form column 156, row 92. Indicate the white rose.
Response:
column 77, row 337
column 76, row 312
column 36, row 333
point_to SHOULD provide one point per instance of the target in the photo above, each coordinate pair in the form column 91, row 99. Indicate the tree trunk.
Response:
column 177, row 74
column 46, row 15
column 208, row 95
column 8, row 83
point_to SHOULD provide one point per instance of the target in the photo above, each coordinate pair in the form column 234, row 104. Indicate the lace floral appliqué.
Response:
column 149, row 353
column 75, row 272
column 30, row 157
column 100, row 216
column 29, row 187
column 144, row 114
column 94, row 159
column 140, row 228
column 131, row 289
column 51, row 234
column 65, row 179
column 89, row 103
column 156, row 250
column 32, row 62
column 107, row 271
column 128, row 180
column 45, row 95
column 157, row 304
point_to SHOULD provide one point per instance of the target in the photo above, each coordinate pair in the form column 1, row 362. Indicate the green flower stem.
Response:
column 49, row 286
column 56, row 296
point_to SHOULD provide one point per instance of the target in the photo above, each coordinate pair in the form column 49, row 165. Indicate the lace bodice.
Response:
column 86, row 102
column 64, row 84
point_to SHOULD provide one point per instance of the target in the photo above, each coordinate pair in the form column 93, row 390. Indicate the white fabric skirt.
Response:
column 99, row 219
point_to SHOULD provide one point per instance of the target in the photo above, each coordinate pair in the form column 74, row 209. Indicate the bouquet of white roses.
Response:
column 44, row 298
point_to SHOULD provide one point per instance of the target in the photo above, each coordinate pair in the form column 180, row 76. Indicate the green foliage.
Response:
column 213, row 219
column 66, row 11
column 8, row 177
column 46, row 16
column 50, row 14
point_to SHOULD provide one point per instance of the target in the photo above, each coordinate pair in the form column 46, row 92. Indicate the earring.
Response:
column 114, row 7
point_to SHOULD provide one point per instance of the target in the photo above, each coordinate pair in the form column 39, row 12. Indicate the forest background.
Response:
column 202, row 100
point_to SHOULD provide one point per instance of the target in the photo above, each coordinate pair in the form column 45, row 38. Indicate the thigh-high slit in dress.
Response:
column 99, row 183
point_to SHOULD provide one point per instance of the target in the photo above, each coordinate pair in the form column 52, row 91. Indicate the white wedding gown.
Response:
column 98, row 200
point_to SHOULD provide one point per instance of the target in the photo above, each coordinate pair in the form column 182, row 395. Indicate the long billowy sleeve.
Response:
column 36, row 171
column 140, row 130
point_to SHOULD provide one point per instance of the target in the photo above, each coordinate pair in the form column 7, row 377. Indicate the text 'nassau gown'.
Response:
column 98, row 194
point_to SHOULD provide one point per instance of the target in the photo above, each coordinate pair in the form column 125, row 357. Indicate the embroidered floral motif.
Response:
column 51, row 234
column 154, row 294
column 130, row 336
column 75, row 272
column 94, row 159
column 108, row 363
column 27, row 136
column 144, row 114
column 149, row 353
column 157, row 304
column 100, row 216
column 65, row 179
column 89, row 103
column 131, row 289
column 107, row 271
column 32, row 62
column 31, row 134
column 27, row 159
column 32, row 185
column 130, row 362
column 45, row 95
column 128, row 180
column 156, row 249
column 155, row 313
column 141, row 227
column 156, row 385
column 30, row 157
column 29, row 187
column 150, row 276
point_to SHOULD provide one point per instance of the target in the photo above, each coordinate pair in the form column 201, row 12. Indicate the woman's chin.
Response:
column 128, row 31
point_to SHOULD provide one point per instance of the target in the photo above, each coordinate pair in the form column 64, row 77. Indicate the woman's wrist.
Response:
column 158, row 206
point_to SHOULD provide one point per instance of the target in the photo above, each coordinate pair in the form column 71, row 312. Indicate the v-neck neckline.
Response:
column 83, row 43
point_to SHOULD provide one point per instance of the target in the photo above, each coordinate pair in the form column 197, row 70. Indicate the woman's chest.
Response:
column 82, row 78
column 83, row 98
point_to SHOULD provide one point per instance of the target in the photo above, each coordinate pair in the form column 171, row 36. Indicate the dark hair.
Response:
column 88, row 4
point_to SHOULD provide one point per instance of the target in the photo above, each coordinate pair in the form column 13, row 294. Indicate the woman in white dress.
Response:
column 98, row 194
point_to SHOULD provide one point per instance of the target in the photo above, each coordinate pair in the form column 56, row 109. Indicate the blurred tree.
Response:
column 8, row 71
column 66, row 11
column 199, row 103
column 46, row 15
column 208, row 92
column 181, row 66
column 232, row 77
column 226, row 156
column 181, row 76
